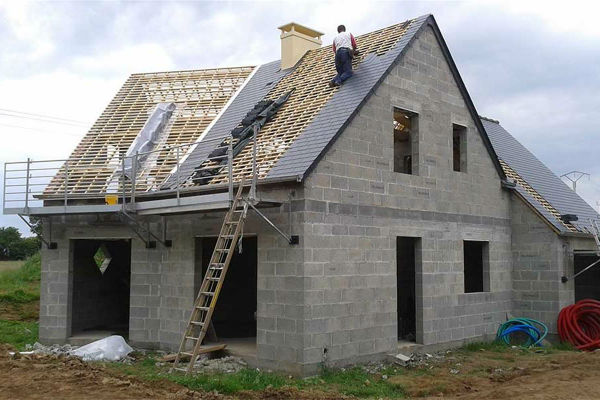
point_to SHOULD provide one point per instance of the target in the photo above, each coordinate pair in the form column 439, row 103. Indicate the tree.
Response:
column 15, row 247
column 9, row 238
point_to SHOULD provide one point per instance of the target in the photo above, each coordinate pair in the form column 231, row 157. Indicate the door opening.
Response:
column 101, row 272
column 235, row 313
column 587, row 285
column 406, row 287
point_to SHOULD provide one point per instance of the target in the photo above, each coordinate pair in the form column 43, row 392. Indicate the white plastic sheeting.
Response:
column 111, row 348
column 149, row 134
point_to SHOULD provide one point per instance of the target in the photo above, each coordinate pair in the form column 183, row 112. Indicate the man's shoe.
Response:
column 334, row 84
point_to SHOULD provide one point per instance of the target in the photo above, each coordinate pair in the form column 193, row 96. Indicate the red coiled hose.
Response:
column 579, row 324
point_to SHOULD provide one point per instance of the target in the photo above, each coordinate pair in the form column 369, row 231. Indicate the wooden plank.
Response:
column 203, row 350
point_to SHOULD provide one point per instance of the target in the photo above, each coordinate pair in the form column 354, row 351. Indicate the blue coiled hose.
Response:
column 535, row 330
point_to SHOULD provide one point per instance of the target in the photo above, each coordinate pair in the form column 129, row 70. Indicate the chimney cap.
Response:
column 296, row 27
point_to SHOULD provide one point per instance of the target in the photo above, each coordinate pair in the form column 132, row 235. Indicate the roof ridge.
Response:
column 511, row 173
column 392, row 26
column 495, row 121
column 188, row 71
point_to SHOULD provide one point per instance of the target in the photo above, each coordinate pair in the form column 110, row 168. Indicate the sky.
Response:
column 534, row 66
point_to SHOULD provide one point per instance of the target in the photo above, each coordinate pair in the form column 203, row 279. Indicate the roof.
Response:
column 537, row 184
column 289, row 145
column 309, row 122
column 199, row 96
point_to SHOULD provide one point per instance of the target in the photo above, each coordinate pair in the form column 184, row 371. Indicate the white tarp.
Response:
column 149, row 134
column 111, row 348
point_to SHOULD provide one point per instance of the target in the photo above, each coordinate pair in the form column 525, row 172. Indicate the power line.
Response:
column 44, row 120
column 40, row 130
column 42, row 116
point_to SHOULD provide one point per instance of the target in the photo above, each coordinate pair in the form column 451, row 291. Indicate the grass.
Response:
column 354, row 381
column 21, row 285
column 484, row 346
column 17, row 333
column 10, row 265
column 19, row 293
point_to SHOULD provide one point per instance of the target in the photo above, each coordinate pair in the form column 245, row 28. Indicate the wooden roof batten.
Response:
column 199, row 96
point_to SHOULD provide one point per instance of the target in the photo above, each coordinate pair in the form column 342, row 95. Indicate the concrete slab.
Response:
column 245, row 348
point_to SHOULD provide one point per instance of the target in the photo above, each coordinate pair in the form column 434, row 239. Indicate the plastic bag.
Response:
column 111, row 348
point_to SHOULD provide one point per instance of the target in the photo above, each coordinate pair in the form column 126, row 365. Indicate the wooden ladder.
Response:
column 213, row 281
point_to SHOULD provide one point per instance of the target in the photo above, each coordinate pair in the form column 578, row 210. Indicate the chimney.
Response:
column 296, row 40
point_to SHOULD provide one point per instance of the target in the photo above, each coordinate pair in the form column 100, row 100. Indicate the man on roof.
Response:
column 344, row 48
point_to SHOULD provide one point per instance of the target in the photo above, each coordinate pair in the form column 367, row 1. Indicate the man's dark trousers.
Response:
column 343, row 65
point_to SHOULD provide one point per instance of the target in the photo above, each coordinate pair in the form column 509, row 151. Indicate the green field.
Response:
column 10, row 265
column 19, row 301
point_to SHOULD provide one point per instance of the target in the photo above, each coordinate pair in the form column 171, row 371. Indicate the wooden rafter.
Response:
column 199, row 96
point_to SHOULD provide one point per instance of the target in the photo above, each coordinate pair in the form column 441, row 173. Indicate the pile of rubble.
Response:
column 414, row 360
column 205, row 365
column 54, row 349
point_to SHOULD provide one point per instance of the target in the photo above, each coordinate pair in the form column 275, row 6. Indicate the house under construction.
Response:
column 381, row 214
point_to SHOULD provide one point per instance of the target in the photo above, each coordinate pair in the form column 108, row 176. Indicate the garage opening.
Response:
column 406, row 250
column 101, row 271
column 587, row 285
column 235, row 313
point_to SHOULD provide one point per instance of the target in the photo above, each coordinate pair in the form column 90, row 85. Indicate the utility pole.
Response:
column 575, row 176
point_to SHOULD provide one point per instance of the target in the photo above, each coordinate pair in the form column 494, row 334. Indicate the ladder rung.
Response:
column 208, row 293
column 191, row 338
column 232, row 222
column 216, row 268
column 222, row 250
column 197, row 323
column 180, row 369
column 203, row 308
column 214, row 279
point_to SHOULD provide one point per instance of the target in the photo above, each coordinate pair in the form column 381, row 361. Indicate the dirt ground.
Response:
column 470, row 375
column 512, row 374
column 69, row 378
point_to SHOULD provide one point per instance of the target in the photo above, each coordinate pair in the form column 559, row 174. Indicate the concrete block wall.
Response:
column 540, row 258
column 355, row 207
column 56, row 289
column 162, row 280
column 279, row 284
column 538, row 264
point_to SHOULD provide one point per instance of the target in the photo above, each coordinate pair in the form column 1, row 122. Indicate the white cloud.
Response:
column 143, row 57
column 573, row 17
column 68, row 59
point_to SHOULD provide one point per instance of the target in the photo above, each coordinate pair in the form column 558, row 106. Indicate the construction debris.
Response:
column 225, row 365
column 202, row 350
column 111, row 348
column 54, row 349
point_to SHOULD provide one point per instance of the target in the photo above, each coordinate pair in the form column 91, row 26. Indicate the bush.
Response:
column 15, row 247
